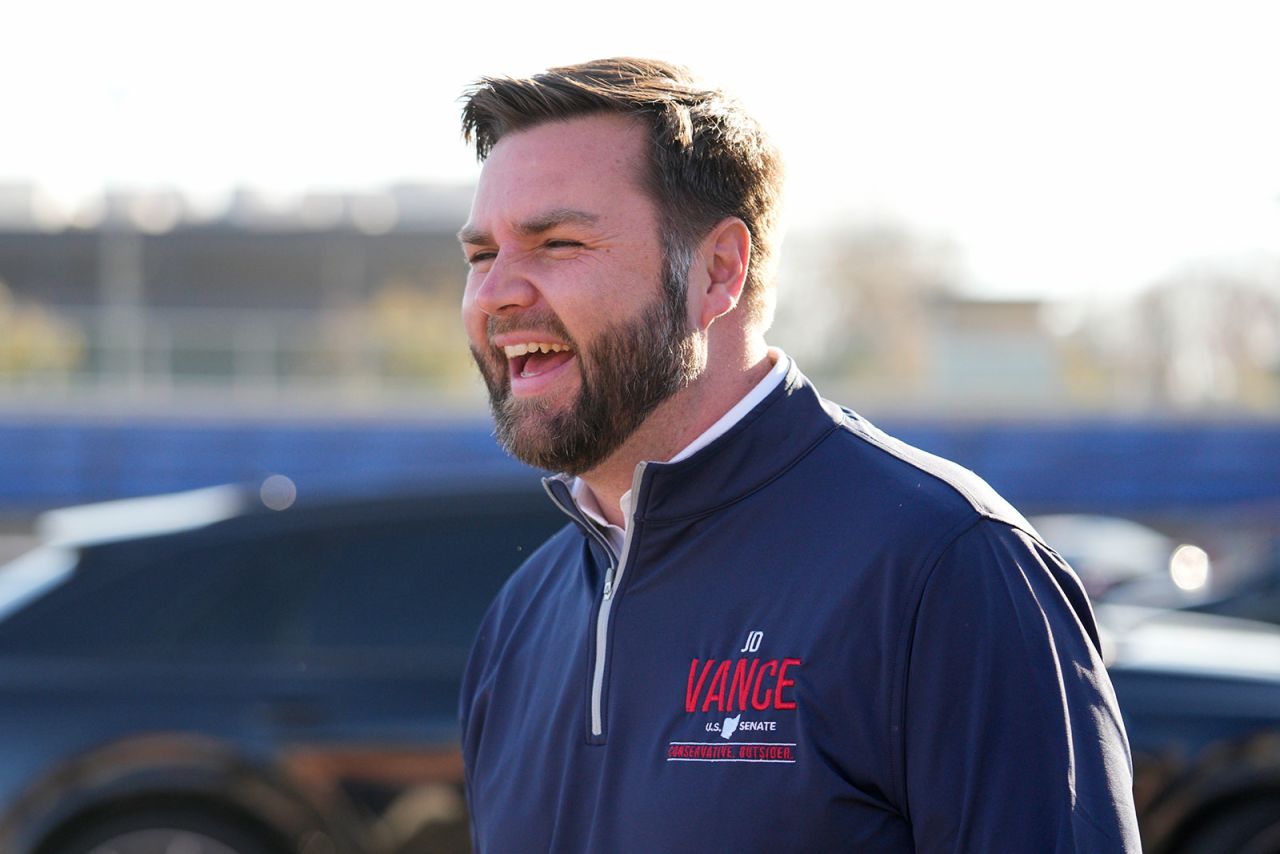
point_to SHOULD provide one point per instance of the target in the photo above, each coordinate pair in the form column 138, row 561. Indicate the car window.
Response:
column 243, row 598
column 411, row 580
column 418, row 584
column 183, row 596
column 31, row 575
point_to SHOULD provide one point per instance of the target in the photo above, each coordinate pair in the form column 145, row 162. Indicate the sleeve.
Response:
column 473, row 703
column 1012, row 738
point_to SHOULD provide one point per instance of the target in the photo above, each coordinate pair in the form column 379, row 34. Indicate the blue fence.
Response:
column 1102, row 466
column 1119, row 467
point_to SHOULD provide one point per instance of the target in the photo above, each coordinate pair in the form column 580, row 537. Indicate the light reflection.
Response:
column 278, row 492
column 1189, row 567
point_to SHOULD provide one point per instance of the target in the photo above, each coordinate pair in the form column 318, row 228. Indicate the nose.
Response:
column 504, row 287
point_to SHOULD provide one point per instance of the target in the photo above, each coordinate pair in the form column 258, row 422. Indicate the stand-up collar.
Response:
column 764, row 443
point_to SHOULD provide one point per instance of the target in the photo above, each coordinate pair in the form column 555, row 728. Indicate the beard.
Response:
column 625, row 373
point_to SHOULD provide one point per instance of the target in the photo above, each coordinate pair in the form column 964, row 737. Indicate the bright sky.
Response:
column 1068, row 148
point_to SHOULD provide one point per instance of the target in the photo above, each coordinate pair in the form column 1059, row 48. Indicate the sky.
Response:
column 1067, row 149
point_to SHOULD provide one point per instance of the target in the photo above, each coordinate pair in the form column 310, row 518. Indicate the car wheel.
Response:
column 164, row 831
column 1248, row 828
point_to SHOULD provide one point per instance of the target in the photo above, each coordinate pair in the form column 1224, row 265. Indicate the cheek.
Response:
column 474, row 321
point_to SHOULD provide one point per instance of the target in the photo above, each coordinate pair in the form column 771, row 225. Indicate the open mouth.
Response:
column 536, row 358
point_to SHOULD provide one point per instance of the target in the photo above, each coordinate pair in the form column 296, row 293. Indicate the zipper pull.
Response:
column 608, row 583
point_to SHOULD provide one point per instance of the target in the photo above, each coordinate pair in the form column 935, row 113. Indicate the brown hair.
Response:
column 709, row 159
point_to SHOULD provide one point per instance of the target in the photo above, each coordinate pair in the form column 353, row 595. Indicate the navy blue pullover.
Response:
column 816, row 638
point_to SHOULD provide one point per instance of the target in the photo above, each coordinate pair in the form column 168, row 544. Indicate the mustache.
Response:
column 539, row 322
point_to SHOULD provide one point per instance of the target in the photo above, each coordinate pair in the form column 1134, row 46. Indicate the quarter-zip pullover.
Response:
column 815, row 638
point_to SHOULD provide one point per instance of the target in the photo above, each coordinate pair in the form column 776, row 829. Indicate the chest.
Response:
column 698, row 709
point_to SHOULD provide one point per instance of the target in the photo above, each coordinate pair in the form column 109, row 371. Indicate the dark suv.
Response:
column 224, row 679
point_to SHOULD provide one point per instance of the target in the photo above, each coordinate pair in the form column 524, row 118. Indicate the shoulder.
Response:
column 949, row 483
column 879, row 490
column 1004, row 572
column 979, row 542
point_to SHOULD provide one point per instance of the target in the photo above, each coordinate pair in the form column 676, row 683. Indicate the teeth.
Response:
column 513, row 350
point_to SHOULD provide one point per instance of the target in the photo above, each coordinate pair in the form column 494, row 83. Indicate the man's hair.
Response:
column 709, row 159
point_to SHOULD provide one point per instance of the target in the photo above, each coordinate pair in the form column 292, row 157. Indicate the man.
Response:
column 770, row 626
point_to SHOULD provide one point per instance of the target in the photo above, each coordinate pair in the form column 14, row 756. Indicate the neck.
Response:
column 676, row 422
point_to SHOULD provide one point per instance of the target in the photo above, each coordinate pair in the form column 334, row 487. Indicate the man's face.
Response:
column 565, row 253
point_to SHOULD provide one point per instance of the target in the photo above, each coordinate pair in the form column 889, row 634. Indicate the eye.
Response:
column 561, row 243
column 481, row 256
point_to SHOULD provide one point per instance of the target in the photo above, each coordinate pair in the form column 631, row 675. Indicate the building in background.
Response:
column 149, row 345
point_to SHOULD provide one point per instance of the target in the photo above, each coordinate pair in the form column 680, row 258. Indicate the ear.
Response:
column 725, row 252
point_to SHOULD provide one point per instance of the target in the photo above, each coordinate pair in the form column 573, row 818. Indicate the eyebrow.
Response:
column 534, row 226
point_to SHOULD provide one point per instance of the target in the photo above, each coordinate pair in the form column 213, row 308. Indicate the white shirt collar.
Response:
column 586, row 499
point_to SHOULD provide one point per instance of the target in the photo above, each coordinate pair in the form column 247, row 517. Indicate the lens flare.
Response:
column 1189, row 567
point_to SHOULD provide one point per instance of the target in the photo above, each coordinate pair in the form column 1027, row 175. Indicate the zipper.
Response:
column 567, row 507
column 612, row 581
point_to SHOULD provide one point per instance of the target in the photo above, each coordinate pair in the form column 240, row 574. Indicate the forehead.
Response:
column 590, row 163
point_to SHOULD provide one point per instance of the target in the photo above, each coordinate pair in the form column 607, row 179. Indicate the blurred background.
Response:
column 220, row 228
column 1040, row 239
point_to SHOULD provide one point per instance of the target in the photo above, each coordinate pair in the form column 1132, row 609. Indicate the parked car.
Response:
column 1257, row 597
column 198, row 673
column 1124, row 561
column 202, row 674
column 1200, row 697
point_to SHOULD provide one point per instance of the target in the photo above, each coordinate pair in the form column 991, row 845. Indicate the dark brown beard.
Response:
column 629, row 369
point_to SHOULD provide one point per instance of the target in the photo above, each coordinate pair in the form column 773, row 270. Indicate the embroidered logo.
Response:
column 731, row 687
column 755, row 683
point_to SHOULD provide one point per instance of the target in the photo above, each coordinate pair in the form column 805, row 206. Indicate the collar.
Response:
column 760, row 446
column 767, row 441
column 586, row 499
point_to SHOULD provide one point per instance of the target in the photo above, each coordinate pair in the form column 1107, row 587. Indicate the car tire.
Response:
column 1252, row 827
column 164, row 831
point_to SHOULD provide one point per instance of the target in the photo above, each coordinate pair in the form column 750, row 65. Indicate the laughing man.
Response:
column 769, row 626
